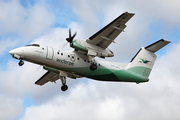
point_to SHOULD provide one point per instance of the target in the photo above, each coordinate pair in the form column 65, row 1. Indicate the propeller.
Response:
column 38, row 68
column 42, row 70
column 65, row 45
column 70, row 39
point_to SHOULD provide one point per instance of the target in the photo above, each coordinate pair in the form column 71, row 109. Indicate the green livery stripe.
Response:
column 78, row 46
column 127, row 76
column 105, row 74
column 140, row 70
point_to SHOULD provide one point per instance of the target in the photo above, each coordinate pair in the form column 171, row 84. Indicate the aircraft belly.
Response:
column 104, row 74
column 119, row 75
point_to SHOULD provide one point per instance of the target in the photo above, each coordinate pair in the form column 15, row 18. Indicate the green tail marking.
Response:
column 144, row 61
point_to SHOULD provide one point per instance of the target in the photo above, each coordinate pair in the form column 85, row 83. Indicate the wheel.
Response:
column 93, row 67
column 64, row 87
column 21, row 63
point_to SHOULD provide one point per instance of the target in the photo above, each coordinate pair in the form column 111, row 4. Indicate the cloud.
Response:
column 5, row 44
column 78, row 105
column 27, row 23
column 157, row 99
column 10, row 107
column 19, row 82
column 55, row 38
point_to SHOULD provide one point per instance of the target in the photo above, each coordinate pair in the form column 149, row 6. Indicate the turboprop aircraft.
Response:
column 82, row 63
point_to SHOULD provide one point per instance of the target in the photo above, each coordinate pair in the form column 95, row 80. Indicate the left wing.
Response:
column 52, row 77
column 106, row 35
column 48, row 76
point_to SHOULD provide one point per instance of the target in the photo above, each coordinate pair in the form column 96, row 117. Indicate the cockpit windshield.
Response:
column 36, row 45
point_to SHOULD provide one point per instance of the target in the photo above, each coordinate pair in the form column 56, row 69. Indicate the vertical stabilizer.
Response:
column 143, row 61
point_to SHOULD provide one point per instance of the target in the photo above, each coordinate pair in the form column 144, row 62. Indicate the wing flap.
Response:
column 106, row 35
column 48, row 76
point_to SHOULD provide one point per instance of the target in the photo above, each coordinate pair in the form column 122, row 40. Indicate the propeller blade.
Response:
column 65, row 45
column 70, row 33
column 38, row 68
column 74, row 35
column 70, row 39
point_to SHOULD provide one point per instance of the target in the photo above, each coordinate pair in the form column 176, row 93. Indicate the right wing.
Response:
column 48, row 76
column 106, row 35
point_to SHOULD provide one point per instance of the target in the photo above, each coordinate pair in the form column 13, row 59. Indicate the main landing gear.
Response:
column 21, row 63
column 93, row 65
column 64, row 86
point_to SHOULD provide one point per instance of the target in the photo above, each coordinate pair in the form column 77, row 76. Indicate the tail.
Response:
column 142, row 63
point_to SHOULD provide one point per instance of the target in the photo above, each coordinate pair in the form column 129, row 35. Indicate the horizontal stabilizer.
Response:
column 157, row 45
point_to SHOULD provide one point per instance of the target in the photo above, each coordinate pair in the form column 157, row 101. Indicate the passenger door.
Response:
column 50, row 53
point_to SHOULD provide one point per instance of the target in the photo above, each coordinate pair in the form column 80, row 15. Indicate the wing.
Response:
column 106, row 35
column 48, row 76
column 52, row 77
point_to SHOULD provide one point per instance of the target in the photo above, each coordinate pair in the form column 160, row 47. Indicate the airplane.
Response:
column 81, row 61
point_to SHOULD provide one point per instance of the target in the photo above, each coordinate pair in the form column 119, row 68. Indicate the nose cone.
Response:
column 12, row 52
column 17, row 51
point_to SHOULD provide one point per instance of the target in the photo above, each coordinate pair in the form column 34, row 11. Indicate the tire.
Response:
column 21, row 63
column 93, row 67
column 64, row 87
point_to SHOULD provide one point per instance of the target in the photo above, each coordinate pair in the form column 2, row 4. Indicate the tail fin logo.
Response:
column 144, row 61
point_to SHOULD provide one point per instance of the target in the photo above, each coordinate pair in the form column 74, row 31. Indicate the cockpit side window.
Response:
column 36, row 45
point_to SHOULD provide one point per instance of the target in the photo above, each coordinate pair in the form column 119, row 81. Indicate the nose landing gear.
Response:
column 21, row 63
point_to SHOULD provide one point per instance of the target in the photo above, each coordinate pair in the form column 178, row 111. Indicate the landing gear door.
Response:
column 50, row 53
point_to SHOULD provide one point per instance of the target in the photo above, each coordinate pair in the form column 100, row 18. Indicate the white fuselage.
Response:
column 73, row 62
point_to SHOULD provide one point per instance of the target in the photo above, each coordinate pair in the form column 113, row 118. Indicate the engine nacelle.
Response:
column 77, row 46
column 103, row 55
